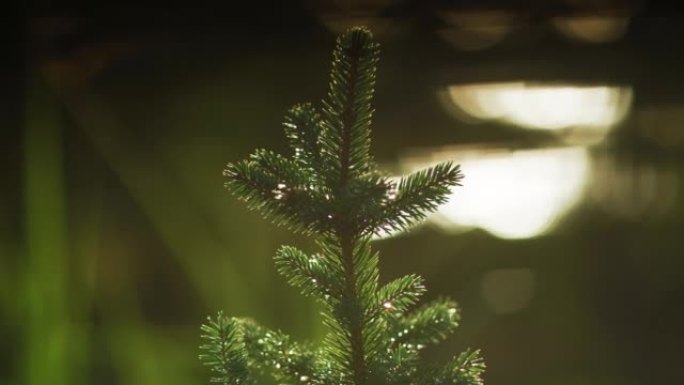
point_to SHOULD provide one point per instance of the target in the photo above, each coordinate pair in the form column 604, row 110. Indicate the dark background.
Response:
column 117, row 238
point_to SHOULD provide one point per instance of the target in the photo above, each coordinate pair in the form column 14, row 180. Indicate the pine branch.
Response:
column 303, row 129
column 314, row 275
column 429, row 324
column 399, row 366
column 465, row 369
column 397, row 296
column 273, row 351
column 270, row 184
column 417, row 195
column 347, row 112
column 224, row 350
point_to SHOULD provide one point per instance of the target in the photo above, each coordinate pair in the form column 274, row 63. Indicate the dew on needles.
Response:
column 374, row 331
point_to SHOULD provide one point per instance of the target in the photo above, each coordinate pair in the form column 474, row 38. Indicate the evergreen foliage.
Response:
column 331, row 188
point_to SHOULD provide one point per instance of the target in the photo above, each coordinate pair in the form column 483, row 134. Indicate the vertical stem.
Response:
column 346, row 232
column 355, row 323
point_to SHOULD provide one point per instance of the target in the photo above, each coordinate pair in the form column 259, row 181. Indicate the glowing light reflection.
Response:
column 548, row 107
column 592, row 29
column 512, row 194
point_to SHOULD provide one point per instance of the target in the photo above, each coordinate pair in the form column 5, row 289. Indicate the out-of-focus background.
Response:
column 565, row 247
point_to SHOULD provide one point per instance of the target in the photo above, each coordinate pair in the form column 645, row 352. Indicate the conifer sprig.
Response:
column 224, row 350
column 331, row 188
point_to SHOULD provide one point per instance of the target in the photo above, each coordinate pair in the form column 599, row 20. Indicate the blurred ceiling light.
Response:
column 592, row 29
column 473, row 31
column 508, row 290
column 511, row 194
column 587, row 110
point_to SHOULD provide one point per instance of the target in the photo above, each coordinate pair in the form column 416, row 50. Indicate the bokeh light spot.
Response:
column 508, row 290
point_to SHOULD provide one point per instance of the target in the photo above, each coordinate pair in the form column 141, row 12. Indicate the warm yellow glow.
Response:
column 592, row 29
column 593, row 109
column 512, row 194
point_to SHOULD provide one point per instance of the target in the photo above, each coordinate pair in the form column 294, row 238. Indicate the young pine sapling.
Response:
column 330, row 188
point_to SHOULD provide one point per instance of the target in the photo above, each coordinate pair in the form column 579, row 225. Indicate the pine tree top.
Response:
column 330, row 187
column 331, row 183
